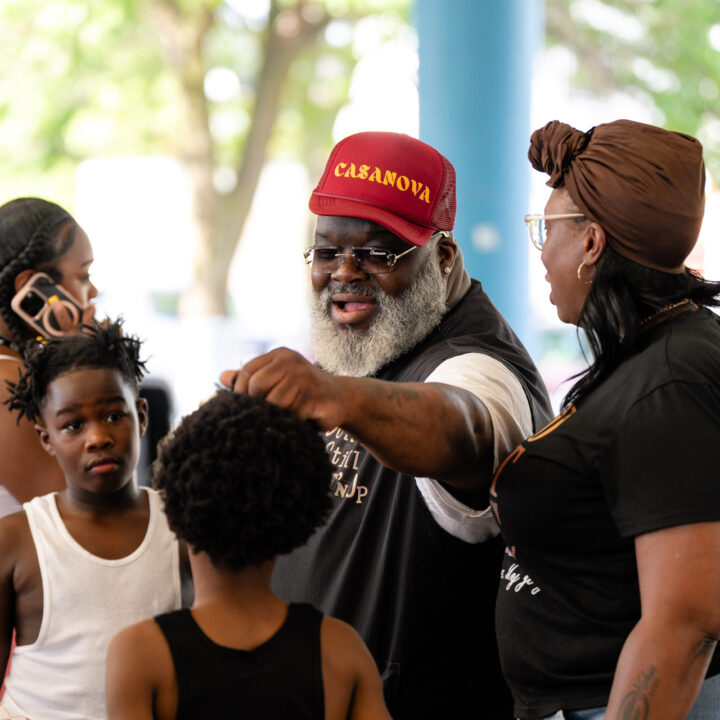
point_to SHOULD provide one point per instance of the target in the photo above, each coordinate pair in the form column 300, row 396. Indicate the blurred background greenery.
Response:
column 155, row 122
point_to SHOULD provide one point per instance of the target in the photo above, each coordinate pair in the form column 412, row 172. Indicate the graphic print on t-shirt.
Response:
column 515, row 579
column 513, row 457
column 511, row 574
column 345, row 453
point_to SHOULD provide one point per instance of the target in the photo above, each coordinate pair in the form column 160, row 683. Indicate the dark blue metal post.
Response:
column 475, row 73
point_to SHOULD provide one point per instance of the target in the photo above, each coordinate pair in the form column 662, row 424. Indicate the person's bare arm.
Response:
column 352, row 683
column 26, row 470
column 421, row 429
column 8, row 558
column 665, row 657
column 141, row 681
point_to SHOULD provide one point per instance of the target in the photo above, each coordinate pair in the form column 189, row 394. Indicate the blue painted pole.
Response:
column 474, row 82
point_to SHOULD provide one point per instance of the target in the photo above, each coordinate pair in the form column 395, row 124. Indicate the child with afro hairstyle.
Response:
column 243, row 481
column 78, row 565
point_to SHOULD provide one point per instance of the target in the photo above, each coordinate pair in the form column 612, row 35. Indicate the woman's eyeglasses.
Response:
column 536, row 225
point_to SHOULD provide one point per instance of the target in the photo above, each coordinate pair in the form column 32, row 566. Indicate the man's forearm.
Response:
column 422, row 429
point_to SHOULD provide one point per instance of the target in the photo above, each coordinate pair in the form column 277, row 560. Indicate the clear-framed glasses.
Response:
column 370, row 260
column 537, row 227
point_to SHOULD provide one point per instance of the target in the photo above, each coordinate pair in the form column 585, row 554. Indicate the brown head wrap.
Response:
column 644, row 185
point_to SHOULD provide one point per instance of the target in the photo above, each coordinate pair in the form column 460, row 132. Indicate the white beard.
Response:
column 400, row 324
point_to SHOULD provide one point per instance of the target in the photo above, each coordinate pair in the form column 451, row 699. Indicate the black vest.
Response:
column 423, row 601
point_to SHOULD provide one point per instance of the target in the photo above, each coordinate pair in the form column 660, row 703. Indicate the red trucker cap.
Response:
column 399, row 182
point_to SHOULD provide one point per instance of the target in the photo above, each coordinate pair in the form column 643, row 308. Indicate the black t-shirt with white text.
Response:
column 640, row 453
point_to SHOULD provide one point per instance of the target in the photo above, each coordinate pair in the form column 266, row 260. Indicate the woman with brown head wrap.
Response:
column 610, row 600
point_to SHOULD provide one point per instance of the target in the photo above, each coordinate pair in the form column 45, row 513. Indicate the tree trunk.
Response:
column 219, row 220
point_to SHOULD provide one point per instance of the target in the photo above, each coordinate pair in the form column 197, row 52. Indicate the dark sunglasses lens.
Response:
column 368, row 260
column 372, row 260
column 325, row 258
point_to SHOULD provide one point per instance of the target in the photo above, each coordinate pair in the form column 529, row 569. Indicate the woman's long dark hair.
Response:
column 29, row 239
column 623, row 294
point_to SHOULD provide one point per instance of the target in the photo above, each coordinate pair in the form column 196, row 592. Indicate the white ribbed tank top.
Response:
column 86, row 600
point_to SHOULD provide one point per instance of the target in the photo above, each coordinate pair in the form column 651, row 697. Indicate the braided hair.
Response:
column 94, row 346
column 29, row 239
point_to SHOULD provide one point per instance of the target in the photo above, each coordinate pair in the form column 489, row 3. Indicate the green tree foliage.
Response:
column 73, row 76
column 83, row 79
column 665, row 50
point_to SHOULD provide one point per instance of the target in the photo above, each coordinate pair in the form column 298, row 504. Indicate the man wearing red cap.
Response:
column 421, row 388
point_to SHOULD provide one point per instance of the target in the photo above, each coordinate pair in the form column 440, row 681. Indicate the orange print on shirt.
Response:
column 520, row 449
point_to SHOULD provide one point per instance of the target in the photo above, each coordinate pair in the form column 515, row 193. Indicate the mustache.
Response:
column 338, row 288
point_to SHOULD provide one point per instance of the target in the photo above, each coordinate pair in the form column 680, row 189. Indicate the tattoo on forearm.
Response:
column 636, row 704
column 400, row 396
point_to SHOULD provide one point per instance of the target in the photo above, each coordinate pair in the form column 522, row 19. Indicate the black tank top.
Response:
column 281, row 678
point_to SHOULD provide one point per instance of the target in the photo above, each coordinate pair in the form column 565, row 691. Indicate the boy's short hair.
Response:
column 93, row 346
column 243, row 480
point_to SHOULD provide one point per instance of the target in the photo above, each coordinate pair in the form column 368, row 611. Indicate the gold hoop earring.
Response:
column 580, row 267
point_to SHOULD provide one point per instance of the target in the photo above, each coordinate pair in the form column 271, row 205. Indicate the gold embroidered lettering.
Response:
column 389, row 178
column 372, row 173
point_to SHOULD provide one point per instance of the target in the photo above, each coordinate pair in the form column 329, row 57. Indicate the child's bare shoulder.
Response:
column 140, row 674
column 341, row 639
column 350, row 675
column 139, row 634
column 139, row 653
column 19, row 565
column 345, row 656
column 16, row 541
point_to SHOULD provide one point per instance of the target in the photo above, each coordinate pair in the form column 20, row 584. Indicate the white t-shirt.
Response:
column 503, row 396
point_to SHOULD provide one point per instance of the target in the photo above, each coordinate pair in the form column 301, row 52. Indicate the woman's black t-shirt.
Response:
column 640, row 453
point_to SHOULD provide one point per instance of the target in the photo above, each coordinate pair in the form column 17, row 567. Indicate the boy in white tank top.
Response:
column 79, row 565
